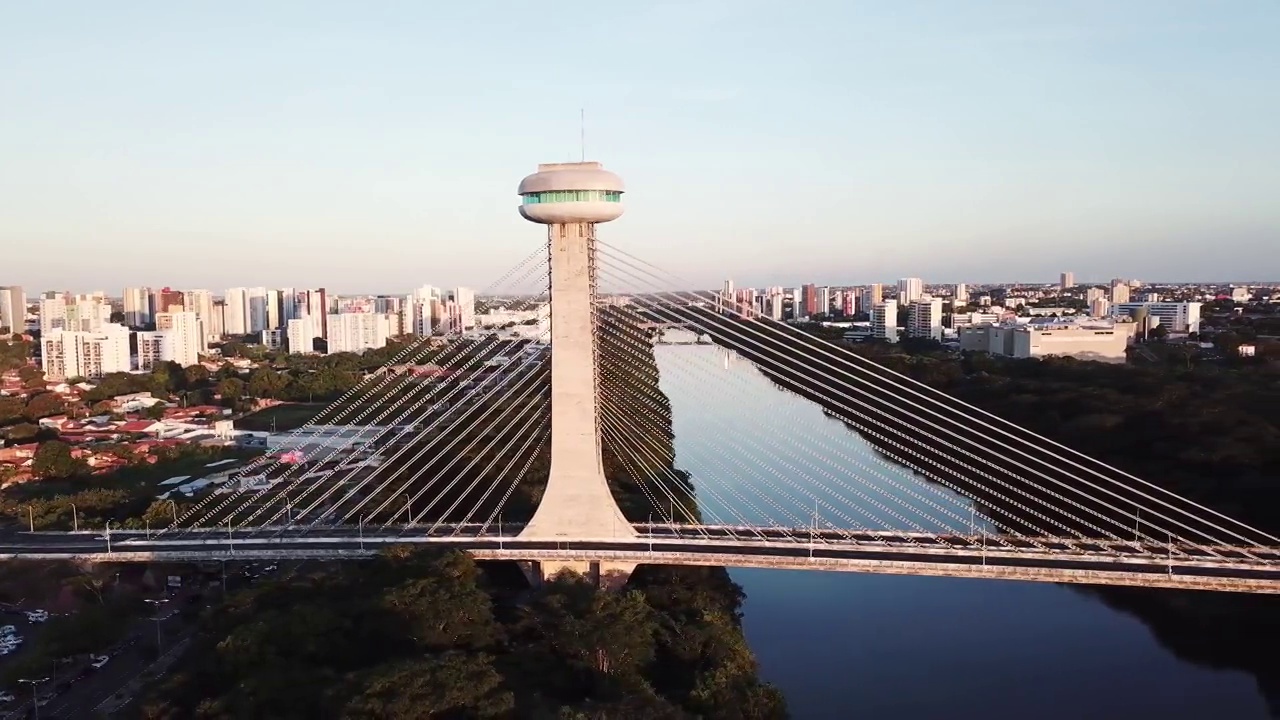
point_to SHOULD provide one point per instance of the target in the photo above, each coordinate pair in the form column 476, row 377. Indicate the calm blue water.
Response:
column 876, row 646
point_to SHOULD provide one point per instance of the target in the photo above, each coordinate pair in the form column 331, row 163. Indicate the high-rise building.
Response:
column 186, row 337
column 216, row 326
column 1094, row 293
column 167, row 300
column 960, row 295
column 1066, row 280
column 1099, row 306
column 809, row 301
column 256, row 321
column 200, row 302
column 925, row 319
column 317, row 308
column 68, row 354
column 1119, row 292
column 910, row 290
column 13, row 308
column 872, row 296
column 236, row 314
column 884, row 321
column 153, row 348
column 73, row 313
column 275, row 310
column 824, row 300
column 301, row 333
column 848, row 305
column 137, row 307
column 465, row 299
column 356, row 332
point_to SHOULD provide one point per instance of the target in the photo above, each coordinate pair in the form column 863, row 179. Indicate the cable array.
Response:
column 387, row 410
column 1026, row 486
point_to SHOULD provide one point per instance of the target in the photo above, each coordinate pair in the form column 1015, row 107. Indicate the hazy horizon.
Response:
column 378, row 148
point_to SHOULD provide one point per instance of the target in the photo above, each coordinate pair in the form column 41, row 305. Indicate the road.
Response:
column 1074, row 560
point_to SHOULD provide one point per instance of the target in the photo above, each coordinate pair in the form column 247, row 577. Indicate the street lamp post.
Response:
column 35, row 701
column 361, row 531
column 31, row 518
column 231, row 543
column 174, row 504
column 156, row 605
column 147, row 520
column 108, row 533
column 408, row 510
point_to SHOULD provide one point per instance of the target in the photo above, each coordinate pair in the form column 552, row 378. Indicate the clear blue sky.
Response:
column 376, row 146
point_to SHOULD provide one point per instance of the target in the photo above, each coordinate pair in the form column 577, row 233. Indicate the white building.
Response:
column 1092, row 340
column 186, row 333
column 925, row 320
column 67, row 354
column 200, row 302
column 153, row 349
column 301, row 333
column 13, row 308
column 910, row 290
column 1178, row 317
column 1066, row 280
column 235, row 319
column 1100, row 307
column 137, row 307
column 1119, row 291
column 961, row 294
column 884, row 321
column 960, row 320
column 74, row 313
column 465, row 299
column 356, row 332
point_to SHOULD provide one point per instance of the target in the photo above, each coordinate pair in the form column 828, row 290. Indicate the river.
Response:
column 878, row 646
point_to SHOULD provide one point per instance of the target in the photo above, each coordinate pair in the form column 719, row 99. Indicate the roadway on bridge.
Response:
column 709, row 545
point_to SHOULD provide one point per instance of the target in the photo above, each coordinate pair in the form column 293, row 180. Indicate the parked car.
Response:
column 8, row 630
column 6, row 697
column 99, row 660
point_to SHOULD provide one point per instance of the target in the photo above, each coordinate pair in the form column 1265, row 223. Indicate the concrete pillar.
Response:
column 577, row 504
column 604, row 575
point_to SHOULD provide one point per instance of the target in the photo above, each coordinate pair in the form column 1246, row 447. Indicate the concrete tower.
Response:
column 570, row 199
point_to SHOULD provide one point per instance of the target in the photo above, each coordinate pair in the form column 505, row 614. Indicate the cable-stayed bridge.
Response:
column 547, row 438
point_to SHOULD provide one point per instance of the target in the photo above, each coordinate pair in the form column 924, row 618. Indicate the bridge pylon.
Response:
column 571, row 198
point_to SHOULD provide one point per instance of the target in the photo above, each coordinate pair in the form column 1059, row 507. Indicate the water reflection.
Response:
column 849, row 645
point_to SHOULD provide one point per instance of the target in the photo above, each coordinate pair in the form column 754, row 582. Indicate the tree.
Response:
column 156, row 412
column 42, row 405
column 432, row 687
column 196, row 376
column 231, row 388
column 23, row 432
column 11, row 409
column 30, row 376
column 53, row 459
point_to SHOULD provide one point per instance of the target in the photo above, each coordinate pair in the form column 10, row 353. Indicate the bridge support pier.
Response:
column 604, row 575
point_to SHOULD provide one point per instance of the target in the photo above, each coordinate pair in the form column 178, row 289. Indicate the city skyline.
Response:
column 367, row 149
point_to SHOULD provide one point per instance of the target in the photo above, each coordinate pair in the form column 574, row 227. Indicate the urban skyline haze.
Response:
column 375, row 148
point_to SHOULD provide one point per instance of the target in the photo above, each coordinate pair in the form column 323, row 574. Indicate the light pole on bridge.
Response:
column 108, row 534
column 361, row 531
column 408, row 510
column 155, row 604
column 75, row 518
column 35, row 702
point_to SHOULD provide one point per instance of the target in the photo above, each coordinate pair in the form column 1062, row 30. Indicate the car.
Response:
column 99, row 660
column 8, row 630
column 6, row 697
column 37, row 615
